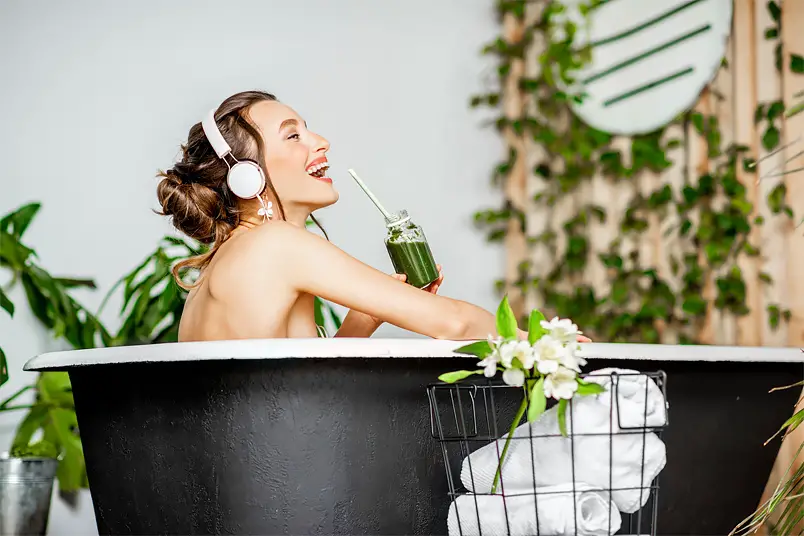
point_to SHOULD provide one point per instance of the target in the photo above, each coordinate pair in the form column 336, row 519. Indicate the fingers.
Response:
column 401, row 277
column 583, row 338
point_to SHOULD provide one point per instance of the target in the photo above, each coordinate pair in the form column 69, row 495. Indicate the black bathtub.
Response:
column 333, row 436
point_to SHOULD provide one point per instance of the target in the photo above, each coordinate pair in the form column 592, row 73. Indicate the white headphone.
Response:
column 245, row 178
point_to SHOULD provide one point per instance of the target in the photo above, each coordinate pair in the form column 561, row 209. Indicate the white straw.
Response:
column 369, row 194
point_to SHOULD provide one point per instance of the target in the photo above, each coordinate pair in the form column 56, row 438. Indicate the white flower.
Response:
column 560, row 384
column 267, row 210
column 489, row 365
column 562, row 329
column 495, row 343
column 514, row 376
column 573, row 357
column 520, row 350
column 550, row 353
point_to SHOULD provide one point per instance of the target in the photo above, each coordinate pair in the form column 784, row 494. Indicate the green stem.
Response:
column 514, row 424
column 10, row 399
column 12, row 408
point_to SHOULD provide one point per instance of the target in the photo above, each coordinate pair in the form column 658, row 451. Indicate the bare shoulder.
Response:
column 250, row 260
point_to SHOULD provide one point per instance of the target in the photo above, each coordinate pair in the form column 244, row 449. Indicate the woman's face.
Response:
column 295, row 157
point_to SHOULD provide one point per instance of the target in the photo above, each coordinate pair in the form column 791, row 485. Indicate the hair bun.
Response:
column 196, row 210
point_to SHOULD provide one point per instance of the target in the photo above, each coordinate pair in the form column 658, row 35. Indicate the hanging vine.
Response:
column 715, row 217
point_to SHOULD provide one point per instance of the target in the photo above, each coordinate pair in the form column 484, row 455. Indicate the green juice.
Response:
column 410, row 254
column 415, row 260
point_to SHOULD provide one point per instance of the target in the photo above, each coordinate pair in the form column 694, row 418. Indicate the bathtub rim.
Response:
column 388, row 348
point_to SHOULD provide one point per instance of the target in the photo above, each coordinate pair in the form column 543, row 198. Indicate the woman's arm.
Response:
column 359, row 324
column 312, row 265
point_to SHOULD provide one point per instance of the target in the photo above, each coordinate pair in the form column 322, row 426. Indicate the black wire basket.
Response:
column 599, row 478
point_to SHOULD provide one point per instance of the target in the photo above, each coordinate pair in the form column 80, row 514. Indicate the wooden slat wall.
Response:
column 733, row 97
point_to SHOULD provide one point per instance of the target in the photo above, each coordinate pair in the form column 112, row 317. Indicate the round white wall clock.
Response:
column 650, row 60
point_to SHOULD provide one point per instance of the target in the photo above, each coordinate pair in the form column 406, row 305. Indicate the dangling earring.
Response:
column 266, row 210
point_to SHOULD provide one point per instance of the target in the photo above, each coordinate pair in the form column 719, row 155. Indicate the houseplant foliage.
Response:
column 639, row 303
column 546, row 365
column 49, row 427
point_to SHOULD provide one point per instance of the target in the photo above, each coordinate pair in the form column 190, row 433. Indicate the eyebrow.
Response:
column 290, row 122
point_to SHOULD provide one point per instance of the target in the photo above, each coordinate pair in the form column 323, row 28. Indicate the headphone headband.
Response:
column 214, row 135
column 245, row 178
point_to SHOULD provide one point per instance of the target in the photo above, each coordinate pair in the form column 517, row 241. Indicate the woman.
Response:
column 261, row 276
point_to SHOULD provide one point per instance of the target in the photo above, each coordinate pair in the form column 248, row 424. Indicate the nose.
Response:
column 321, row 144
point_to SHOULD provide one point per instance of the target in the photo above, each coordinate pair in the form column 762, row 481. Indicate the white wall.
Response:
column 96, row 95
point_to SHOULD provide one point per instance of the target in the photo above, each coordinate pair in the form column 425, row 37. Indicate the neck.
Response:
column 296, row 215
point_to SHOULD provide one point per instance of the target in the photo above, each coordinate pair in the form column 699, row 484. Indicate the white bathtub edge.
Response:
column 380, row 348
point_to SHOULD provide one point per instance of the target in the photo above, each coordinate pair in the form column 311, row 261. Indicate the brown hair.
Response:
column 194, row 194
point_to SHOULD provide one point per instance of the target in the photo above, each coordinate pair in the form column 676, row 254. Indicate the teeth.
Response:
column 318, row 167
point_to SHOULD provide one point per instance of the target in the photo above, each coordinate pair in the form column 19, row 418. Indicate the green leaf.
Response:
column 589, row 388
column 62, row 427
column 694, row 305
column 775, row 110
column 12, row 253
column 55, row 387
column 6, row 303
column 776, row 198
column 774, row 10
column 797, row 63
column 698, row 122
column 480, row 349
column 336, row 320
column 506, row 321
column 318, row 312
column 771, row 33
column 3, row 367
column 770, row 140
column 562, row 416
column 33, row 421
column 535, row 329
column 759, row 113
column 18, row 221
column 68, row 282
column 452, row 377
column 538, row 402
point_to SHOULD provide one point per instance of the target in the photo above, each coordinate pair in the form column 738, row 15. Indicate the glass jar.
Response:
column 410, row 254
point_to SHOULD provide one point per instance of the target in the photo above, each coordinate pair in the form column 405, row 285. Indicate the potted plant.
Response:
column 46, row 443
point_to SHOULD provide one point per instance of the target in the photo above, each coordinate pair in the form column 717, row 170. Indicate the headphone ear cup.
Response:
column 246, row 179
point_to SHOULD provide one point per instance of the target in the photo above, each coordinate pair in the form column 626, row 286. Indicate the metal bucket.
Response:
column 26, row 485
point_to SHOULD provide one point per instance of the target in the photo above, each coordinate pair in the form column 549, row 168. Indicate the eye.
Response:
column 294, row 136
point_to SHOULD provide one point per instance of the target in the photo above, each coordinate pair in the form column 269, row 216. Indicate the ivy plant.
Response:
column 640, row 304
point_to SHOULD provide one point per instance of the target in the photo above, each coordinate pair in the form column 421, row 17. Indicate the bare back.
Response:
column 230, row 303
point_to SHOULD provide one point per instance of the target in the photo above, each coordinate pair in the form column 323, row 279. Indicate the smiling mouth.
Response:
column 319, row 171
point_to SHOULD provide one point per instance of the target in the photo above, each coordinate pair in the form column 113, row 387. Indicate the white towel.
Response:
column 596, row 515
column 551, row 456
column 632, row 388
